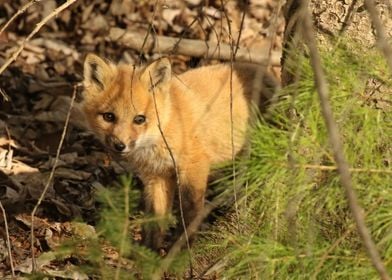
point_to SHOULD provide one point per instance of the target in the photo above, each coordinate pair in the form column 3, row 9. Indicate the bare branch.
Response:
column 349, row 16
column 381, row 37
column 124, row 232
column 8, row 239
column 259, row 78
column 175, row 166
column 19, row 12
column 337, row 242
column 39, row 25
column 233, row 50
column 190, row 47
column 191, row 229
column 336, row 144
column 332, row 168
column 51, row 175
column 150, row 28
column 4, row 95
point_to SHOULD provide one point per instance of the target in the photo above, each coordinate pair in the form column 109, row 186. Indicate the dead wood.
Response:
column 190, row 47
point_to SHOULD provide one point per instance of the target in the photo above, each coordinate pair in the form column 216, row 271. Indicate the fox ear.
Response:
column 157, row 74
column 97, row 73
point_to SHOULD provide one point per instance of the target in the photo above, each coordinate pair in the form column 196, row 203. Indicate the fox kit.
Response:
column 158, row 121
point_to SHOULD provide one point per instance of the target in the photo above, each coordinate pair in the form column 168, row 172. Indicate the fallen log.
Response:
column 191, row 47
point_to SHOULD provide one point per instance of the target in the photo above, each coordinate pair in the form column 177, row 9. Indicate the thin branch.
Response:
column 332, row 168
column 381, row 37
column 190, row 47
column 290, row 39
column 124, row 232
column 175, row 169
column 196, row 19
column 150, row 27
column 39, row 25
column 258, row 81
column 8, row 240
column 19, row 12
column 191, row 229
column 326, row 254
column 237, row 44
column 349, row 16
column 4, row 95
column 233, row 165
column 336, row 144
column 42, row 196
column 337, row 242
column 233, row 50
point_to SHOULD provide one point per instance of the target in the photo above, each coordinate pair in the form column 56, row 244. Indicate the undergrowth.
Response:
column 293, row 220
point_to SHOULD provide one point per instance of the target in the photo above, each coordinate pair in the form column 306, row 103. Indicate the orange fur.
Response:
column 193, row 110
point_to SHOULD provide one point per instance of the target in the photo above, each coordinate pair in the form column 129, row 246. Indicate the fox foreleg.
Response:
column 158, row 195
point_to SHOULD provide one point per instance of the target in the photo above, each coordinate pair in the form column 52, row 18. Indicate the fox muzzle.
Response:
column 115, row 144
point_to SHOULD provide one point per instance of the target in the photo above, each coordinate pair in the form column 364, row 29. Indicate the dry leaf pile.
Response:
column 36, row 90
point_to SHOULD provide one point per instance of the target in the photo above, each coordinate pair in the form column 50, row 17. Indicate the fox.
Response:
column 171, row 129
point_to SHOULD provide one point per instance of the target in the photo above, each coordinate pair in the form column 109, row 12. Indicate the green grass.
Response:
column 294, row 222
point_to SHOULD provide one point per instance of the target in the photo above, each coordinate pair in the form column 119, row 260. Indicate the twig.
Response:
column 19, row 12
column 39, row 25
column 257, row 86
column 124, row 232
column 150, row 27
column 213, row 268
column 3, row 210
column 233, row 50
column 190, row 47
column 175, row 169
column 380, row 32
column 4, row 95
column 290, row 40
column 337, row 242
column 336, row 144
column 42, row 196
column 215, row 32
column 191, row 229
column 174, row 50
column 237, row 44
column 326, row 254
column 349, row 16
column 233, row 163
column 8, row 239
column 330, row 167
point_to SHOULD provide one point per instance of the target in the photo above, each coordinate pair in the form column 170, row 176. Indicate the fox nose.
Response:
column 119, row 146
column 115, row 143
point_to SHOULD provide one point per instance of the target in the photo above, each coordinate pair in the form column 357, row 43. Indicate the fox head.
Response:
column 124, row 104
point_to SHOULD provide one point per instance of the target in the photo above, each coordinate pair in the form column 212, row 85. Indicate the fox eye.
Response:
column 109, row 117
column 139, row 119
